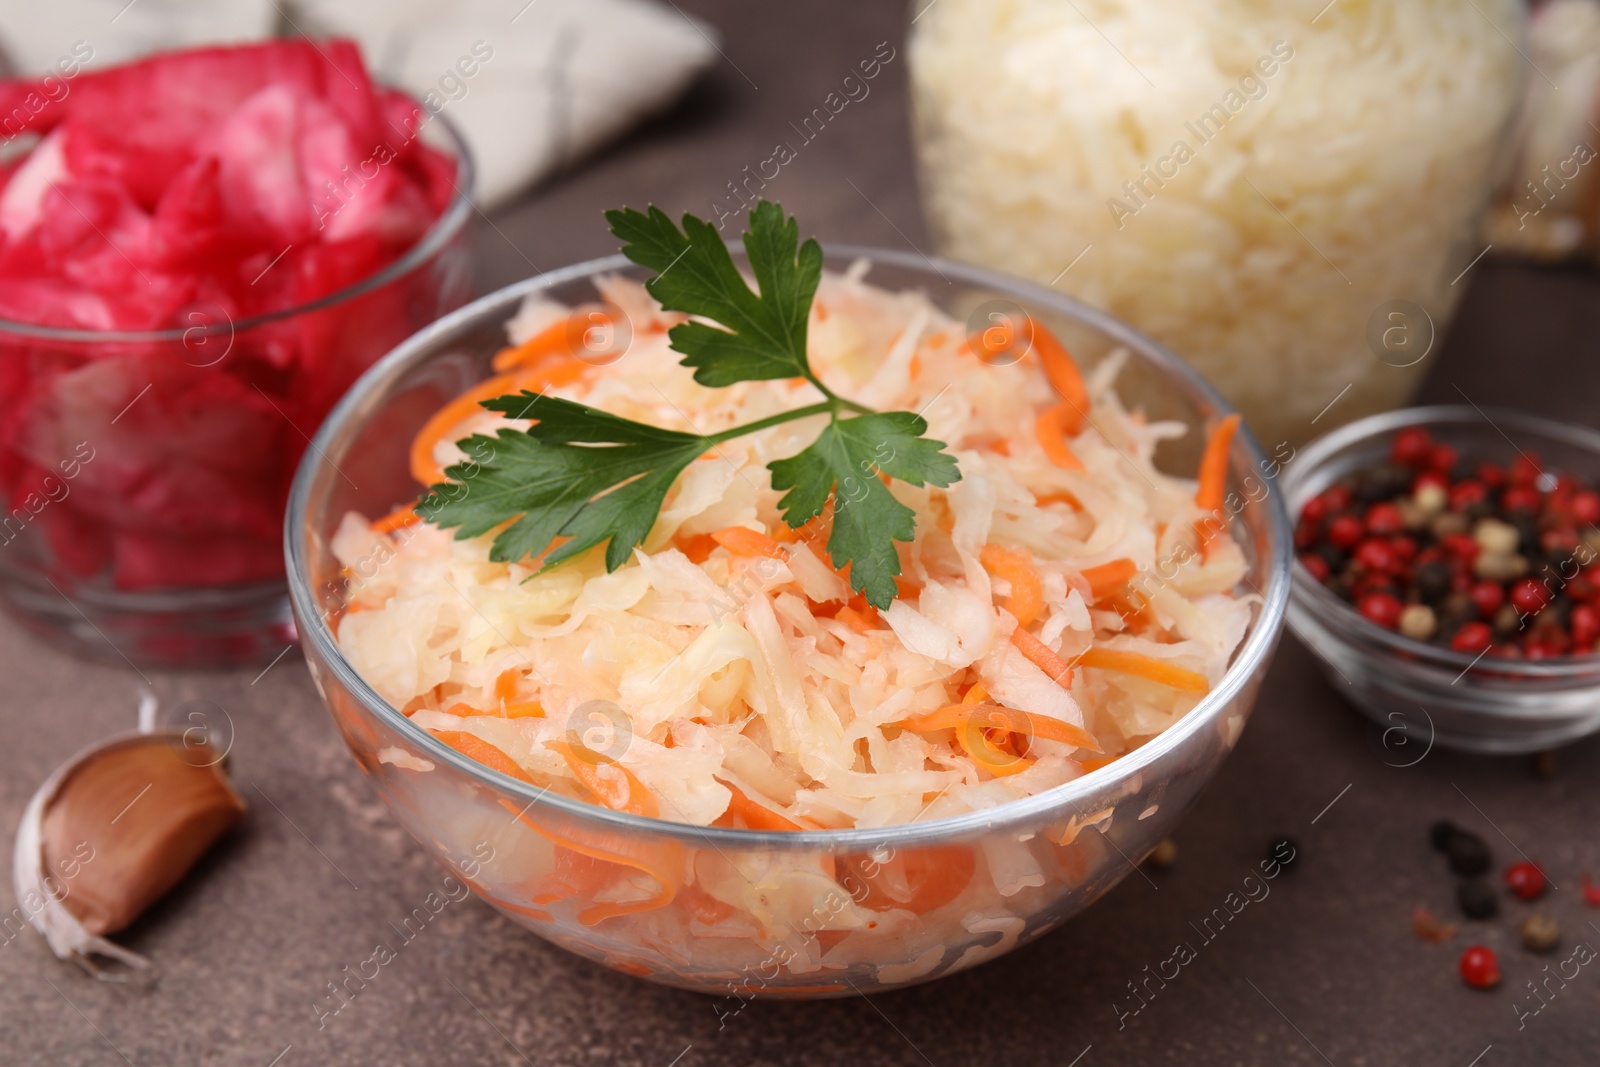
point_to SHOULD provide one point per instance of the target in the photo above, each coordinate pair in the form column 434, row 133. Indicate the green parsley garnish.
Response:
column 595, row 478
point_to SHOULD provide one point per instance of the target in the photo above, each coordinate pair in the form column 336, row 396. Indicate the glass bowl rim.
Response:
column 443, row 230
column 1250, row 658
column 1311, row 593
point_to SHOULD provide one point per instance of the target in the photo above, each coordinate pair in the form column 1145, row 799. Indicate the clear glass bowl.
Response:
column 549, row 862
column 109, row 492
column 1429, row 692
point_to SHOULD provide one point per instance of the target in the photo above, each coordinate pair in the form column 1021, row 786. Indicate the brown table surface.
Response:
column 1325, row 969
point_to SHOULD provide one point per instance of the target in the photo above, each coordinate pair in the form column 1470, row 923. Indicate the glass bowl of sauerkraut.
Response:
column 713, row 766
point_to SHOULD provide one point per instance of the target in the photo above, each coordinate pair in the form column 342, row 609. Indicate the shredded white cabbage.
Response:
column 1247, row 181
column 719, row 681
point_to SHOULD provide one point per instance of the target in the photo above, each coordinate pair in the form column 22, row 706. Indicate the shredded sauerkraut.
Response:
column 1249, row 182
column 747, row 686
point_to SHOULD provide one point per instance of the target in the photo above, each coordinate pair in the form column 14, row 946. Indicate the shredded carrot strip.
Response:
column 1108, row 578
column 984, row 753
column 988, row 716
column 1214, row 465
column 659, row 860
column 463, row 711
column 758, row 816
column 697, row 547
column 854, row 619
column 1051, row 428
column 991, row 343
column 1095, row 763
column 1135, row 610
column 1108, row 659
column 743, row 541
column 907, row 588
column 1040, row 656
column 505, row 686
column 398, row 519
column 474, row 747
column 785, row 533
column 629, row 794
column 1062, row 370
column 977, row 694
column 551, row 341
column 423, row 466
column 1026, row 601
column 524, row 709
column 1058, row 498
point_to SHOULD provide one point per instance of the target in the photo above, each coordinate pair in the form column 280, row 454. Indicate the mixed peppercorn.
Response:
column 1469, row 858
column 1479, row 557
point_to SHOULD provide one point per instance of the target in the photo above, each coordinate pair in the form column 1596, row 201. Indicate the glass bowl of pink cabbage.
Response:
column 743, row 913
column 199, row 253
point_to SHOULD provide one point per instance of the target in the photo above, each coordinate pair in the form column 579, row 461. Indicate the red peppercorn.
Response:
column 1345, row 531
column 1306, row 534
column 1491, row 475
column 1411, row 446
column 1521, row 498
column 1591, row 892
column 1377, row 555
column 1525, row 880
column 1443, row 458
column 1464, row 495
column 1524, row 470
column 1460, row 546
column 1384, row 520
column 1316, row 566
column 1479, row 967
column 1584, row 623
column 1372, row 582
column 1487, row 597
column 1472, row 638
column 1558, row 540
column 1583, row 587
column 1315, row 511
column 1405, row 548
column 1585, row 507
column 1529, row 595
column 1429, row 478
column 1537, row 649
column 1381, row 608
column 1336, row 497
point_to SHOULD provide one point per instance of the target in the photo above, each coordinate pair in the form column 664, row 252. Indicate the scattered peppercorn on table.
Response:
column 1279, row 928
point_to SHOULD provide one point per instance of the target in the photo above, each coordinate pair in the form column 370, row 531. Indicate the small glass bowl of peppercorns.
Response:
column 1448, row 573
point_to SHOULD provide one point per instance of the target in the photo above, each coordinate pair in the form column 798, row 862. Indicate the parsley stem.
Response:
column 835, row 399
column 827, row 407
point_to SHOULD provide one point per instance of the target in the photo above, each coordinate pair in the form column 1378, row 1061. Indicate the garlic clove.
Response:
column 146, row 812
column 112, row 830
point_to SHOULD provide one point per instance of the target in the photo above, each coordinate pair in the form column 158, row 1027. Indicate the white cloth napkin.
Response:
column 533, row 84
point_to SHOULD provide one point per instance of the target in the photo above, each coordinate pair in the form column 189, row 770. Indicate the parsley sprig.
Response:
column 596, row 478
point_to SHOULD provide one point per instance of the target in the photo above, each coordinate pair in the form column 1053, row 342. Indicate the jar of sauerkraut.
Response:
column 1288, row 197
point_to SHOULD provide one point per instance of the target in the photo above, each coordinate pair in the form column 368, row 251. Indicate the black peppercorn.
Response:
column 1336, row 557
column 1477, row 899
column 1468, row 854
column 1382, row 483
column 1432, row 581
column 1440, row 833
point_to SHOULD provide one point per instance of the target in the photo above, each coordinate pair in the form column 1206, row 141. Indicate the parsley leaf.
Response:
column 578, row 473
column 844, row 461
column 765, row 335
column 595, row 478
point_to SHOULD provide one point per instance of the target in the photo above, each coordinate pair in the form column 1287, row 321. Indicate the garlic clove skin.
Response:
column 111, row 831
column 146, row 812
